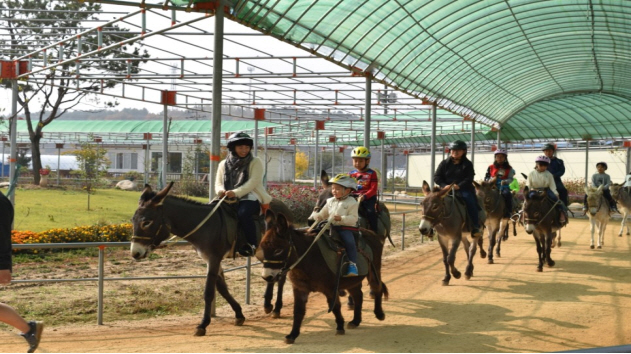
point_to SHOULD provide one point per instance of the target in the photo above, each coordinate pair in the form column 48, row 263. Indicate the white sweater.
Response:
column 543, row 179
column 346, row 208
column 253, row 184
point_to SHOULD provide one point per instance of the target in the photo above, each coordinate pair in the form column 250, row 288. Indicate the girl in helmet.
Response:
column 503, row 174
column 541, row 178
column 557, row 169
column 602, row 179
column 240, row 176
column 341, row 211
column 368, row 184
column 458, row 170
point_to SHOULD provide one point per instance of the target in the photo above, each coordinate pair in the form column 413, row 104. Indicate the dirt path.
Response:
column 506, row 307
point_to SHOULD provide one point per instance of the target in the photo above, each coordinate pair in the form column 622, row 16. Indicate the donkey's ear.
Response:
column 492, row 181
column 426, row 189
column 324, row 178
column 586, row 190
column 159, row 198
column 270, row 219
column 526, row 193
column 282, row 225
column 476, row 185
column 600, row 188
column 145, row 195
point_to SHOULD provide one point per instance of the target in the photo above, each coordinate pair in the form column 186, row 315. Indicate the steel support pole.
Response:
column 587, row 164
column 472, row 158
column 394, row 150
column 248, row 279
column 433, row 149
column 333, row 160
column 14, row 137
column 367, row 109
column 3, row 160
column 58, row 166
column 628, row 161
column 215, row 148
column 499, row 141
column 294, row 169
column 165, row 146
column 99, row 315
column 255, row 147
column 147, row 164
column 384, row 177
column 266, row 160
column 315, row 160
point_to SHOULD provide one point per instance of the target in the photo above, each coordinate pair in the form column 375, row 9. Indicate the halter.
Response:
column 600, row 203
column 442, row 215
column 497, row 202
column 136, row 237
column 543, row 218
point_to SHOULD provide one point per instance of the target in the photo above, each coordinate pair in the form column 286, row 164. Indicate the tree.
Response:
column 31, row 25
column 93, row 163
column 302, row 164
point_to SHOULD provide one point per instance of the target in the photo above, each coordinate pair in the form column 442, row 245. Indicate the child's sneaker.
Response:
column 33, row 335
column 351, row 270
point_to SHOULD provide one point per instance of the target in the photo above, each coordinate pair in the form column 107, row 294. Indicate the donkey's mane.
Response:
column 186, row 200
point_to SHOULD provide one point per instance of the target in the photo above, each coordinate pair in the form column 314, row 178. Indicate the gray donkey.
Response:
column 598, row 213
column 445, row 214
column 623, row 197
column 494, row 206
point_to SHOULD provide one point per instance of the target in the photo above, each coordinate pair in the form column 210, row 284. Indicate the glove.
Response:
column 360, row 187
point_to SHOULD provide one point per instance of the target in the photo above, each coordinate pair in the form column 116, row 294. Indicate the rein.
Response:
column 287, row 269
column 205, row 219
column 549, row 211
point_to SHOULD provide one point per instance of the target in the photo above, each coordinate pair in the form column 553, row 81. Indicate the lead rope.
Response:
column 326, row 227
column 203, row 221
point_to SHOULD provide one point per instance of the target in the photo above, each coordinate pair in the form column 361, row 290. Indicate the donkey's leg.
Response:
column 492, row 242
column 601, row 231
column 455, row 243
column 333, row 298
column 442, row 241
column 480, row 241
column 267, row 298
column 222, row 288
column 592, row 227
column 623, row 222
column 279, row 297
column 300, row 305
column 539, row 252
column 471, row 248
column 358, row 295
column 209, row 295
column 548, row 248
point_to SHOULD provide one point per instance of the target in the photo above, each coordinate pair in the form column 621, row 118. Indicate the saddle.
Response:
column 461, row 208
column 228, row 211
column 383, row 219
column 333, row 251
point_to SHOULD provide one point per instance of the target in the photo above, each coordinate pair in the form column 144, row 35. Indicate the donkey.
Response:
column 623, row 197
column 442, row 212
column 282, row 246
column 598, row 213
column 541, row 217
column 210, row 229
column 496, row 222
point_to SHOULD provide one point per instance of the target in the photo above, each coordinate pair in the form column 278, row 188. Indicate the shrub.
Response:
column 299, row 199
column 94, row 233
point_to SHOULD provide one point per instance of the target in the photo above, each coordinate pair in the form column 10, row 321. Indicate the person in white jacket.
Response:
column 342, row 211
column 541, row 178
column 240, row 175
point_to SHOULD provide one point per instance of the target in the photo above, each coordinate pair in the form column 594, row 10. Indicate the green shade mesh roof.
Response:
column 538, row 69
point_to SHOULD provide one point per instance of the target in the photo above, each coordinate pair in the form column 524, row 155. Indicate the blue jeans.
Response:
column 508, row 200
column 371, row 213
column 471, row 202
column 561, row 206
column 247, row 210
column 349, row 243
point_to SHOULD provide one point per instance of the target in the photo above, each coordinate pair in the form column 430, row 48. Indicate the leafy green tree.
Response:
column 93, row 163
column 30, row 25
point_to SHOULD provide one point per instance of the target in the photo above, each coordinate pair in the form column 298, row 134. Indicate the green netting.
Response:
column 497, row 58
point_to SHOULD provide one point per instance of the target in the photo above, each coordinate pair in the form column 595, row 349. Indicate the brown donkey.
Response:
column 622, row 195
column 286, row 249
column 443, row 213
column 496, row 222
column 541, row 220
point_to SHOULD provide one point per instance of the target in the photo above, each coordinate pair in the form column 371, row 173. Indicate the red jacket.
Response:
column 368, row 183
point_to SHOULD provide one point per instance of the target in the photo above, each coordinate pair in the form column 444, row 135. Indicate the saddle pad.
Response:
column 330, row 255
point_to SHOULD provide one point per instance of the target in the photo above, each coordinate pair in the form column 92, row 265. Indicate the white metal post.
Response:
column 367, row 109
column 14, row 134
column 472, row 158
column 165, row 147
column 433, row 148
column 215, row 149
column 586, row 163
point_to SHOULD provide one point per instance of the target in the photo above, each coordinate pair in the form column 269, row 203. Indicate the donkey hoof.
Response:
column 482, row 254
column 539, row 269
column 456, row 274
column 592, row 246
column 239, row 321
column 276, row 314
column 268, row 309
column 340, row 332
column 559, row 243
column 498, row 255
column 350, row 307
column 342, row 292
column 468, row 276
column 289, row 340
column 200, row 332
column 553, row 245
column 380, row 316
column 445, row 282
column 600, row 247
column 490, row 261
column 351, row 325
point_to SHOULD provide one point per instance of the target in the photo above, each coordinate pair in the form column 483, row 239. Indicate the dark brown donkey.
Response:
column 496, row 222
column 541, row 220
column 159, row 215
column 443, row 213
column 287, row 249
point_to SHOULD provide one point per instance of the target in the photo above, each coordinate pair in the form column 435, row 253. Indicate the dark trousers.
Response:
column 508, row 200
column 371, row 213
column 562, row 193
column 561, row 206
column 607, row 195
column 471, row 202
column 349, row 243
column 247, row 210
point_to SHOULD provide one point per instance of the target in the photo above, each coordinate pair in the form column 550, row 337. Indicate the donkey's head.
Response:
column 535, row 208
column 276, row 246
column 325, row 193
column 595, row 199
column 150, row 225
column 487, row 192
column 433, row 208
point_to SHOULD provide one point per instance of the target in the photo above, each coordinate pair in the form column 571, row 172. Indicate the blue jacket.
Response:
column 557, row 168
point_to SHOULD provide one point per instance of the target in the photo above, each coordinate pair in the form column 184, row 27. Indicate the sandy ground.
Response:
column 506, row 307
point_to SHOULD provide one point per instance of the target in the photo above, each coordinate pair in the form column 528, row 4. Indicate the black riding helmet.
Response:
column 239, row 138
column 458, row 145
column 602, row 163
column 549, row 146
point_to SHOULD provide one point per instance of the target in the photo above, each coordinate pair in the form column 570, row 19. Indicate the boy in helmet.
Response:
column 541, row 178
column 602, row 179
column 341, row 211
column 557, row 169
column 368, row 184
column 503, row 174
column 240, row 176
column 458, row 170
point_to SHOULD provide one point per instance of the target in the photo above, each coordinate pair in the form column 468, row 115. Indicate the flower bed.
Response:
column 299, row 199
column 94, row 233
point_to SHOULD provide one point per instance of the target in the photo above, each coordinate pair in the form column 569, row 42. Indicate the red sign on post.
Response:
column 627, row 144
column 319, row 125
column 292, row 141
column 168, row 97
column 259, row 113
column 269, row 131
column 147, row 136
column 381, row 135
column 332, row 138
